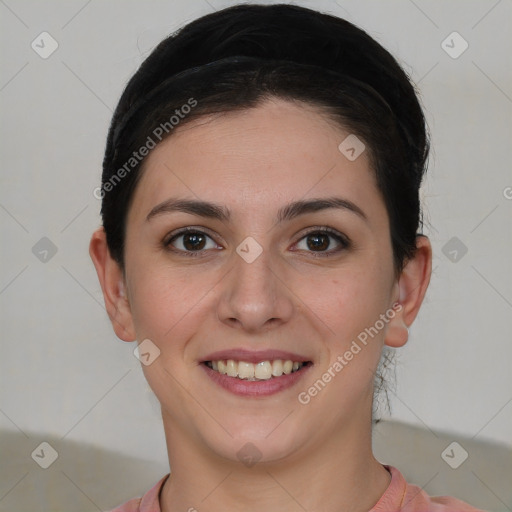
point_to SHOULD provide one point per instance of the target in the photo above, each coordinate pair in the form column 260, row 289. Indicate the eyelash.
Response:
column 343, row 241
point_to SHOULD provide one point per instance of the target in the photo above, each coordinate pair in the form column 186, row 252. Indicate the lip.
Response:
column 261, row 388
column 250, row 356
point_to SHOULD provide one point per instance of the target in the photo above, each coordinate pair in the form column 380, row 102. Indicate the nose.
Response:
column 255, row 297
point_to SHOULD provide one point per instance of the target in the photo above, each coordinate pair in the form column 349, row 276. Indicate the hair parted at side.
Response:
column 235, row 58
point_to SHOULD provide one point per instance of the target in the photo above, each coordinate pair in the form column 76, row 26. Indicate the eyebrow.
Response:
column 288, row 212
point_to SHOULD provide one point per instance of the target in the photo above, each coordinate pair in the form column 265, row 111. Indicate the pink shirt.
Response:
column 399, row 497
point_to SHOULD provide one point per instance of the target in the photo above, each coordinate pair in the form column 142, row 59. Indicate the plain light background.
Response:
column 62, row 370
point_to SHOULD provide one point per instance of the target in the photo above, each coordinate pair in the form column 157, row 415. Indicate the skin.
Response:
column 316, row 456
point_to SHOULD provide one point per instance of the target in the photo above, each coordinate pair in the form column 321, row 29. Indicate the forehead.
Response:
column 257, row 158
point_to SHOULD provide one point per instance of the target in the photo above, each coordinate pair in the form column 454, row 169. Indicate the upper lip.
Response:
column 250, row 356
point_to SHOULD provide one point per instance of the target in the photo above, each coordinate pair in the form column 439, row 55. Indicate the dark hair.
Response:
column 237, row 57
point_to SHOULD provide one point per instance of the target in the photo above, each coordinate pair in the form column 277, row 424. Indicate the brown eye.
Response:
column 318, row 242
column 194, row 241
column 191, row 241
column 323, row 241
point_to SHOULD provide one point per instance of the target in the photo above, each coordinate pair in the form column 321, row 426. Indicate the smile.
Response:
column 264, row 370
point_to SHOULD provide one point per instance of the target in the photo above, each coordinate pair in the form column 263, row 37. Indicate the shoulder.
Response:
column 404, row 497
column 150, row 502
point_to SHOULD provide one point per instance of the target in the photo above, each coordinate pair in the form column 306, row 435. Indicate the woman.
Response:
column 260, row 241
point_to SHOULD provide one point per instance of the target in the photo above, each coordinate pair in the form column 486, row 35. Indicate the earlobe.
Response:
column 112, row 284
column 412, row 286
column 397, row 333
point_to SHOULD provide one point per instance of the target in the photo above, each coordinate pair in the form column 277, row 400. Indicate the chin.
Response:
column 257, row 441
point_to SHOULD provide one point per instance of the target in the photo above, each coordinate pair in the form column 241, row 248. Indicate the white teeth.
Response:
column 245, row 370
column 264, row 370
column 287, row 366
column 277, row 368
column 232, row 368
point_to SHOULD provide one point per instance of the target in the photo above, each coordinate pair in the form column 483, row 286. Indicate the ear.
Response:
column 410, row 291
column 112, row 283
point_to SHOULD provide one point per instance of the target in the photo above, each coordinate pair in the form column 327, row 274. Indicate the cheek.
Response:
column 349, row 304
column 165, row 301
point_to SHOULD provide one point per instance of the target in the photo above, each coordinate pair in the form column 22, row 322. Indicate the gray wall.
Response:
column 62, row 370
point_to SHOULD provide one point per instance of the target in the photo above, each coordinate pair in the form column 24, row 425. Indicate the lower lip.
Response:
column 256, row 387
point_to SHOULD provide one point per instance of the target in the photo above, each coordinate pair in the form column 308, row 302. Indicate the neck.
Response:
column 338, row 474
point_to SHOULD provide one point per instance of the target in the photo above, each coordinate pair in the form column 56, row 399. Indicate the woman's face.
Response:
column 258, row 279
